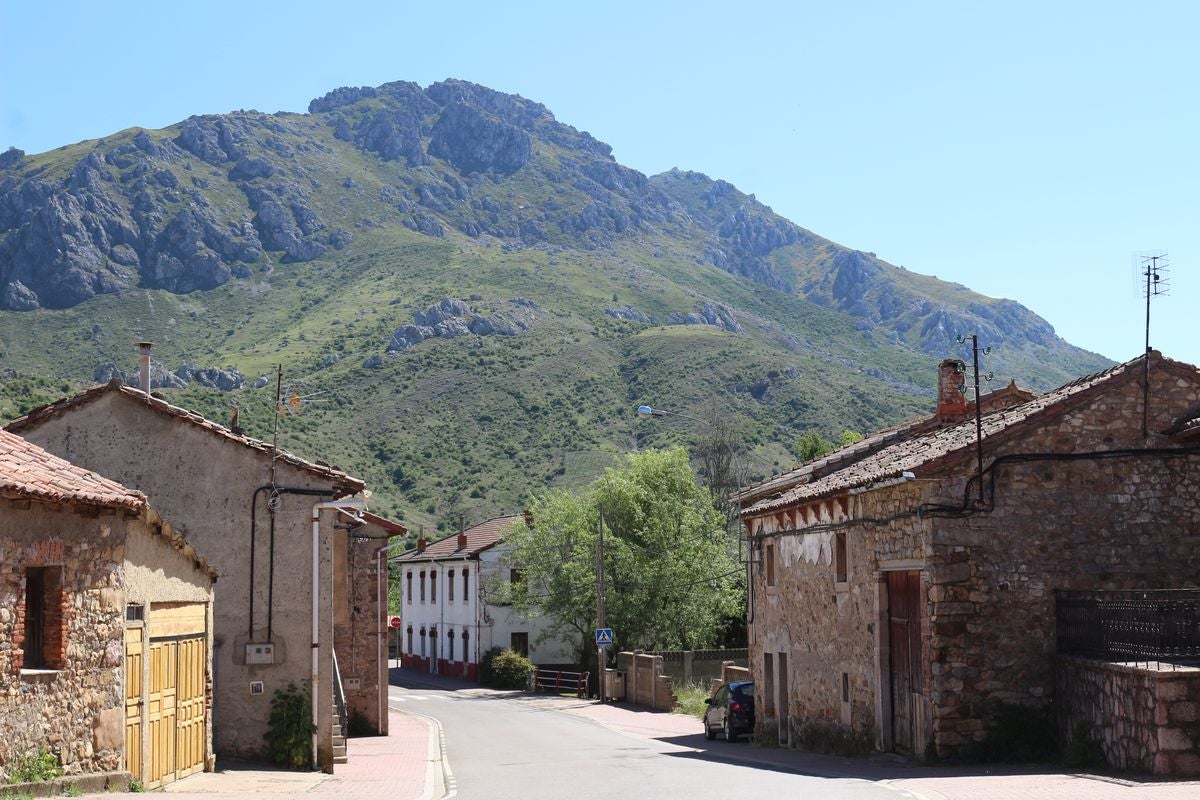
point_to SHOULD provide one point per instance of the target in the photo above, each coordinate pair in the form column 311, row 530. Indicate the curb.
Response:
column 438, row 757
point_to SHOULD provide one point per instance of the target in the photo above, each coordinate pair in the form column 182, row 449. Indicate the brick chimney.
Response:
column 421, row 544
column 462, row 541
column 951, row 402
column 462, row 533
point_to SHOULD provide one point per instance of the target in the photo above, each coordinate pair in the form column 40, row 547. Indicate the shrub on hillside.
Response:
column 504, row 669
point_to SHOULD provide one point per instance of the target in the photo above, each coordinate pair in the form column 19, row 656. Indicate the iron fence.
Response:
column 1151, row 625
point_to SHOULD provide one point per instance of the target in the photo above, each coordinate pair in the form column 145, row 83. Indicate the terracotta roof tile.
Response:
column 919, row 446
column 345, row 482
column 28, row 471
column 479, row 538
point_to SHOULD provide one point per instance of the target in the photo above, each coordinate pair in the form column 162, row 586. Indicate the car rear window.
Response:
column 744, row 692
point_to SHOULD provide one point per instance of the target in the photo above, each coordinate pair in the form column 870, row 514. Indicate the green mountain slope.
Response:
column 469, row 296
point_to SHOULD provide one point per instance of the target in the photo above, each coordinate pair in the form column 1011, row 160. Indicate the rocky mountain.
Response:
column 393, row 233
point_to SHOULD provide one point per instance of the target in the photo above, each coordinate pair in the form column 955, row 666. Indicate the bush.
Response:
column 35, row 768
column 504, row 669
column 290, row 729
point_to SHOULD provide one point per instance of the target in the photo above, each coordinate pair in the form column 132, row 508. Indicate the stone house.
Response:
column 898, row 600
column 448, row 611
column 275, row 526
column 105, row 625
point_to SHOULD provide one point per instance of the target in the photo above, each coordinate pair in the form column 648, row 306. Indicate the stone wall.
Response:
column 72, row 707
column 358, row 626
column 987, row 578
column 1145, row 718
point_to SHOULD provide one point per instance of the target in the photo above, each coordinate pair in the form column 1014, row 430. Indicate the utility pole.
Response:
column 600, row 606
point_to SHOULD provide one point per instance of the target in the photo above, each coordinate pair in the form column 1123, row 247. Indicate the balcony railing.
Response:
column 1154, row 625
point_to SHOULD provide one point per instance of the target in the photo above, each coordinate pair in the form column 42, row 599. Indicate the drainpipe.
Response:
column 340, row 505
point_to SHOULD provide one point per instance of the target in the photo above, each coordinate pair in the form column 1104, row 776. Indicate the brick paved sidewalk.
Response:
column 978, row 782
column 404, row 765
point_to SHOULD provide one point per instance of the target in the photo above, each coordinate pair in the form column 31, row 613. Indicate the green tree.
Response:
column 812, row 445
column 670, row 576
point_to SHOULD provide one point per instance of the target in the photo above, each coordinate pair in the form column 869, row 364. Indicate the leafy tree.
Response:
column 812, row 445
column 671, row 579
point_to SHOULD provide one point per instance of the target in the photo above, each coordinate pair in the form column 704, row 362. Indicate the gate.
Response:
column 133, row 701
column 904, row 631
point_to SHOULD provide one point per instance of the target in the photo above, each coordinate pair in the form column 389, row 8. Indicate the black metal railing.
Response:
column 1152, row 625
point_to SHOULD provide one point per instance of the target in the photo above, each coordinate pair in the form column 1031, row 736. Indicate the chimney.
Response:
column 144, row 352
column 421, row 543
column 951, row 402
column 462, row 534
column 233, row 421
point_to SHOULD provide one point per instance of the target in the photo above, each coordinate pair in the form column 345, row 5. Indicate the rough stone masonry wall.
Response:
column 1118, row 523
column 357, row 635
column 1144, row 719
column 825, row 632
column 77, row 710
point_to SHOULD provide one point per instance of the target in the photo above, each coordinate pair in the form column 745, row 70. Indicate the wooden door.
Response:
column 133, row 701
column 160, row 712
column 191, row 707
column 904, row 630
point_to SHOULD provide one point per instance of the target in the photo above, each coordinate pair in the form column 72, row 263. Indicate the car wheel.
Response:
column 709, row 733
column 730, row 736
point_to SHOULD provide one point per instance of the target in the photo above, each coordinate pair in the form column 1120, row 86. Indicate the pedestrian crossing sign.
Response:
column 603, row 637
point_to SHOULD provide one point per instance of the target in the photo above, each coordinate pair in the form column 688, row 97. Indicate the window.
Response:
column 520, row 643
column 432, row 586
column 840, row 570
column 450, row 646
column 135, row 612
column 422, row 642
column 410, row 647
column 422, row 587
column 770, row 563
column 433, row 648
column 45, row 629
column 409, row 576
column 464, row 584
column 450, row 586
column 466, row 637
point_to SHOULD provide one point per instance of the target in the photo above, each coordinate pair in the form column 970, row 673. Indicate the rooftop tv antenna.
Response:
column 1153, row 268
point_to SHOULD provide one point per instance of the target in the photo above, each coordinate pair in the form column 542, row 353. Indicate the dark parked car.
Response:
column 730, row 711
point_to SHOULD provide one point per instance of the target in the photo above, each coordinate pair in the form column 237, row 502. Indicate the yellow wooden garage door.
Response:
column 176, row 711
column 133, row 701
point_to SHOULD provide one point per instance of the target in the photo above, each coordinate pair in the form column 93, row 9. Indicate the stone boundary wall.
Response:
column 1146, row 718
column 645, row 683
column 700, row 666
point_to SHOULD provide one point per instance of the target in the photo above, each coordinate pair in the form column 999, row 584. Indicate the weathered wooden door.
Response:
column 904, row 629
column 133, row 701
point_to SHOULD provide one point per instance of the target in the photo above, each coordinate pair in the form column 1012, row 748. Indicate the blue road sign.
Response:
column 603, row 637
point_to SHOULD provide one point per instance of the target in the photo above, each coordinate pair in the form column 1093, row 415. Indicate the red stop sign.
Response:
column 394, row 622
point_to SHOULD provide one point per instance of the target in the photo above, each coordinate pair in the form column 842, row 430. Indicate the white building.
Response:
column 447, row 620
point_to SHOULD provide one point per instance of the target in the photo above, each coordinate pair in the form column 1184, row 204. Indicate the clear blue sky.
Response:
column 1026, row 150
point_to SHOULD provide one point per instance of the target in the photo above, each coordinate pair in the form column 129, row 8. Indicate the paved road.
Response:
column 520, row 747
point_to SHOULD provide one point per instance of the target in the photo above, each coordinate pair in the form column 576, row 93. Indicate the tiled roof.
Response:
column 843, row 457
column 392, row 527
column 344, row 482
column 923, row 447
column 479, row 538
column 28, row 471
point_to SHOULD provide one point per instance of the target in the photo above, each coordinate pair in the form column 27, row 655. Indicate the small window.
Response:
column 450, row 586
column 770, row 562
column 519, row 643
column 464, row 584
column 422, row 587
column 840, row 572
column 409, row 576
column 516, row 576
column 45, row 634
column 135, row 612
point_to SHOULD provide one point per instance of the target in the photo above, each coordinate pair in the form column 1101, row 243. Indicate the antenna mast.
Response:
column 1153, row 267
